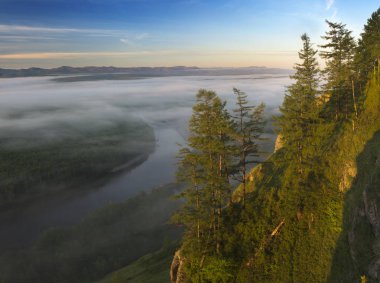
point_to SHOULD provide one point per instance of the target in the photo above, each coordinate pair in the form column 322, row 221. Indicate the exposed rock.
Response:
column 255, row 175
column 374, row 269
column 372, row 213
column 351, row 234
column 348, row 174
column 373, row 216
column 371, row 201
column 177, row 274
column 279, row 143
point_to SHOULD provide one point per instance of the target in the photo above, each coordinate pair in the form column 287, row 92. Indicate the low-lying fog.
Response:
column 32, row 110
column 36, row 103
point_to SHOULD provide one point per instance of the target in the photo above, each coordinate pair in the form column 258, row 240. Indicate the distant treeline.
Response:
column 138, row 71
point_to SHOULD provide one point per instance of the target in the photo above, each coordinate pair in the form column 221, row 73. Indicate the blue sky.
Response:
column 205, row 33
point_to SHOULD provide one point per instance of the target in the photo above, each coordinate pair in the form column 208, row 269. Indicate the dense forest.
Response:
column 309, row 213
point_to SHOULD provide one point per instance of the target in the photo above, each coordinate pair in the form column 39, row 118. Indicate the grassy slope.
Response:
column 313, row 244
column 151, row 268
column 309, row 245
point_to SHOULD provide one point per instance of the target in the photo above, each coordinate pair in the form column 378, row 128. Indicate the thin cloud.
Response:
column 61, row 55
column 24, row 37
column 126, row 41
column 162, row 57
column 334, row 15
column 16, row 29
column 132, row 41
column 142, row 36
column 329, row 4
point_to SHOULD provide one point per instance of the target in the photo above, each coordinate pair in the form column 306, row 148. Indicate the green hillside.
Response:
column 328, row 238
column 151, row 268
column 310, row 213
column 332, row 238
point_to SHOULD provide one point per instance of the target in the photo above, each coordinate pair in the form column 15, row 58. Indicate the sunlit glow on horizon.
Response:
column 153, row 33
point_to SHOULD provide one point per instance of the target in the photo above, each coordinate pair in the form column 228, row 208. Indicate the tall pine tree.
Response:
column 204, row 167
column 248, row 129
column 300, row 111
column 368, row 55
column 339, row 74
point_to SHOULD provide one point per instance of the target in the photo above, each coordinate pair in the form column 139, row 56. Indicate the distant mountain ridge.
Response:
column 139, row 71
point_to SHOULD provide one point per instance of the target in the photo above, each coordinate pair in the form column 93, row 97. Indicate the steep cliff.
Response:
column 358, row 252
column 330, row 228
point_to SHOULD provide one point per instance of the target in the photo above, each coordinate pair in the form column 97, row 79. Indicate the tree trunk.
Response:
column 198, row 223
column 244, row 178
column 353, row 97
column 219, row 221
column 378, row 71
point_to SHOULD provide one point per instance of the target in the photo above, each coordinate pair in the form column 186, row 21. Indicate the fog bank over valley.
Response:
column 72, row 150
column 103, row 140
column 29, row 104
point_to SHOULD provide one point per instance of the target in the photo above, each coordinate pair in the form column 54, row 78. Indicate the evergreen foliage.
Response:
column 300, row 223
column 368, row 55
column 338, row 53
column 300, row 112
column 204, row 165
column 218, row 151
column 248, row 129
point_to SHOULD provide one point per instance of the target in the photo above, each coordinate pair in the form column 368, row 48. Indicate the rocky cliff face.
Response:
column 368, row 213
column 348, row 173
column 279, row 143
column 372, row 210
column 177, row 274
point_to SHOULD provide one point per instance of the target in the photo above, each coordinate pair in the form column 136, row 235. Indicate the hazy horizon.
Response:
column 167, row 33
column 148, row 66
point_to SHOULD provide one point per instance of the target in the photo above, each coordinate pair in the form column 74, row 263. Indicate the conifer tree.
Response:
column 248, row 129
column 204, row 166
column 300, row 112
column 368, row 53
column 339, row 74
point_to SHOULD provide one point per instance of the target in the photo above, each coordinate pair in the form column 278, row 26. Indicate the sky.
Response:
column 133, row 33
